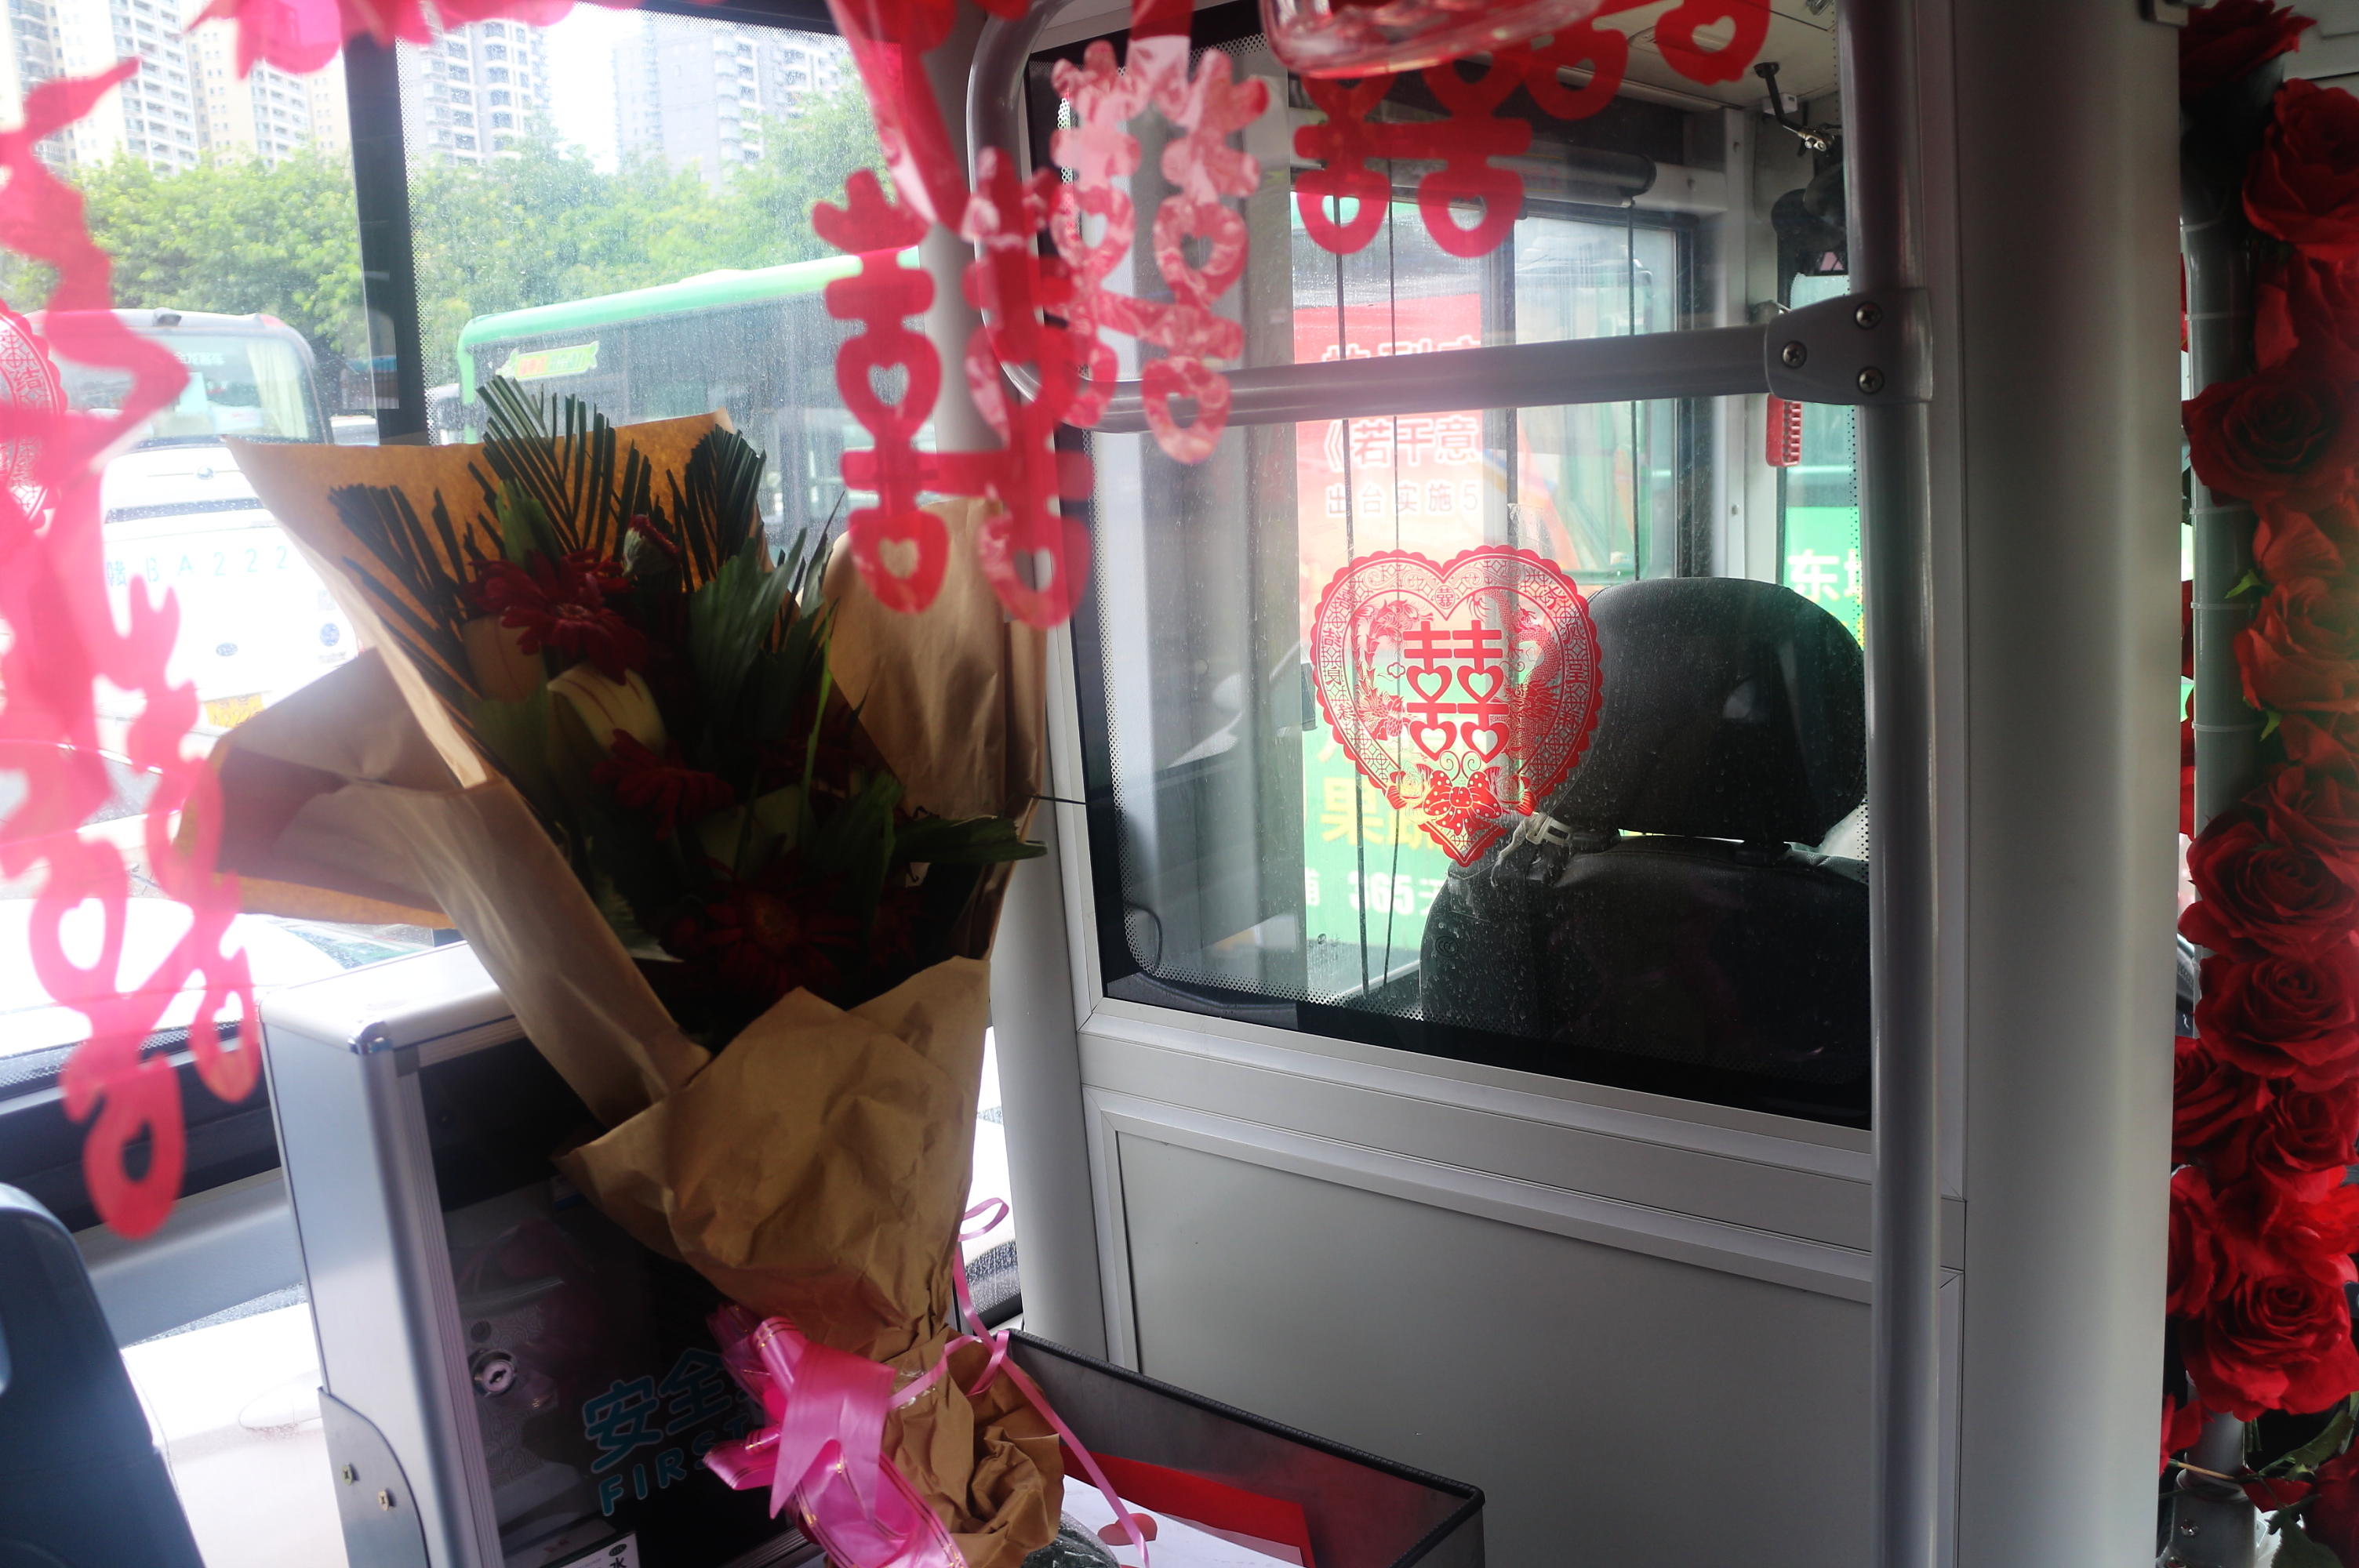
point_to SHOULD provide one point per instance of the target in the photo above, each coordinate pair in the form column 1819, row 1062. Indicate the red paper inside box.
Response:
column 1199, row 1500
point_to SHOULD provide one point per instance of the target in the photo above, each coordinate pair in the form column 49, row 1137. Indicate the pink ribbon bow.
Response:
column 824, row 1449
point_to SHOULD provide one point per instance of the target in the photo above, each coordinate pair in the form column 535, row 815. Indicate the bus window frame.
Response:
column 1347, row 390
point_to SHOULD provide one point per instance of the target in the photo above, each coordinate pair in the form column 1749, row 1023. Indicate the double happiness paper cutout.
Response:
column 1203, row 168
column 63, row 639
column 1033, row 551
column 1346, row 142
column 1466, row 692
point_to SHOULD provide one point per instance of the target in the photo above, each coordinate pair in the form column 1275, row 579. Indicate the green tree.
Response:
column 539, row 225
column 542, row 225
column 805, row 159
column 237, row 235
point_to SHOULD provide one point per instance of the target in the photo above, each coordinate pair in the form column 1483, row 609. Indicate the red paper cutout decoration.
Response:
column 1466, row 142
column 1209, row 107
column 1346, row 37
column 889, row 39
column 63, row 639
column 1464, row 692
column 882, row 296
column 1680, row 34
column 301, row 36
column 30, row 390
column 901, row 551
column 1014, row 287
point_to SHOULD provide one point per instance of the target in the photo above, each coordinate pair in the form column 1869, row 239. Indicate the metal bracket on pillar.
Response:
column 1868, row 350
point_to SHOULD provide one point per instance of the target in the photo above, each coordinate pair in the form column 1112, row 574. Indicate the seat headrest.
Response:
column 1733, row 709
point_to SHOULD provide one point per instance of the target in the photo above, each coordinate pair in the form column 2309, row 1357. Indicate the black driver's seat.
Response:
column 1662, row 905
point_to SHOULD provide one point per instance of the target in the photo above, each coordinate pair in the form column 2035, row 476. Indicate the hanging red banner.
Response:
column 1466, row 692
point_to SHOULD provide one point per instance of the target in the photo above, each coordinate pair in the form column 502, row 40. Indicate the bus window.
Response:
column 1692, row 917
column 653, row 256
column 757, row 344
column 1818, row 506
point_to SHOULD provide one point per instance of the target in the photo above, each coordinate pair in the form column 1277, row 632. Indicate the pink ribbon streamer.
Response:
column 823, row 1452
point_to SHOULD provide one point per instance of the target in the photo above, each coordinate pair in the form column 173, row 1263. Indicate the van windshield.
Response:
column 251, row 385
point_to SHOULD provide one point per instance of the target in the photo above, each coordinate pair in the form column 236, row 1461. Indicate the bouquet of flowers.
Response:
column 731, row 836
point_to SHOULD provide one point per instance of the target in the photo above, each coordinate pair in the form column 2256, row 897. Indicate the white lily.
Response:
column 604, row 706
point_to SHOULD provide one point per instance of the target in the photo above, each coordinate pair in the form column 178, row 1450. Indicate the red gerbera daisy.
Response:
column 765, row 943
column 562, row 605
column 659, row 785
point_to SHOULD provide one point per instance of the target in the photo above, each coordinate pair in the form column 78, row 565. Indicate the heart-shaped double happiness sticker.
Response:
column 1464, row 692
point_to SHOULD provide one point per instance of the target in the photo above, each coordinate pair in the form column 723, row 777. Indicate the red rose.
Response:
column 2273, row 1342
column 2270, row 1493
column 2181, row 1425
column 2303, row 185
column 2316, row 807
column 2308, row 1230
column 2187, row 777
column 2285, row 1018
column 2288, row 545
column 2186, row 630
column 2212, row 1102
column 2257, row 896
column 2303, row 1141
column 2230, row 40
column 2302, row 649
column 2284, row 435
column 2187, row 770
column 2309, row 305
column 2321, row 743
column 2201, row 1265
column 2333, row 1517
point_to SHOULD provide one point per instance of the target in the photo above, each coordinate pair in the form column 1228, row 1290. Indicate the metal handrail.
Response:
column 1711, row 362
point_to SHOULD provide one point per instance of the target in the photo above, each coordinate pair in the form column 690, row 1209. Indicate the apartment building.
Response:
column 159, row 114
column 267, row 113
column 187, row 98
column 697, row 91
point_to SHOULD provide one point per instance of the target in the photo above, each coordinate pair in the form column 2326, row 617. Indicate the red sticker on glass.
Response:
column 1466, row 692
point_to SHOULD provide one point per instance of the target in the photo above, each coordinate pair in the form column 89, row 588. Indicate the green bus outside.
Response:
column 758, row 344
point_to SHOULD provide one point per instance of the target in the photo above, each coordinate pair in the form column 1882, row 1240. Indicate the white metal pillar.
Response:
column 2065, row 370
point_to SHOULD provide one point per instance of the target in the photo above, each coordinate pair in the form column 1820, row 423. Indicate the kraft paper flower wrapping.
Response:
column 815, row 1168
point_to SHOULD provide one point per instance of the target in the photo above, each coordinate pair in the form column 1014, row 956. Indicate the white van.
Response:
column 256, row 621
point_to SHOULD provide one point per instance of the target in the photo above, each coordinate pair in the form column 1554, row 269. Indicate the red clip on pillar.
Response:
column 1785, row 443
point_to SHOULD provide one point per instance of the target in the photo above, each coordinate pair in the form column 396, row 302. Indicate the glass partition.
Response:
column 615, row 208
column 1684, row 907
column 1683, row 195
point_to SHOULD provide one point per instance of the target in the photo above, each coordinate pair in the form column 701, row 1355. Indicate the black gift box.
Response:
column 1364, row 1513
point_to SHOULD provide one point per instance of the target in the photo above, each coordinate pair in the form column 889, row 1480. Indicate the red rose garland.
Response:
column 2228, row 42
column 2266, row 1096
